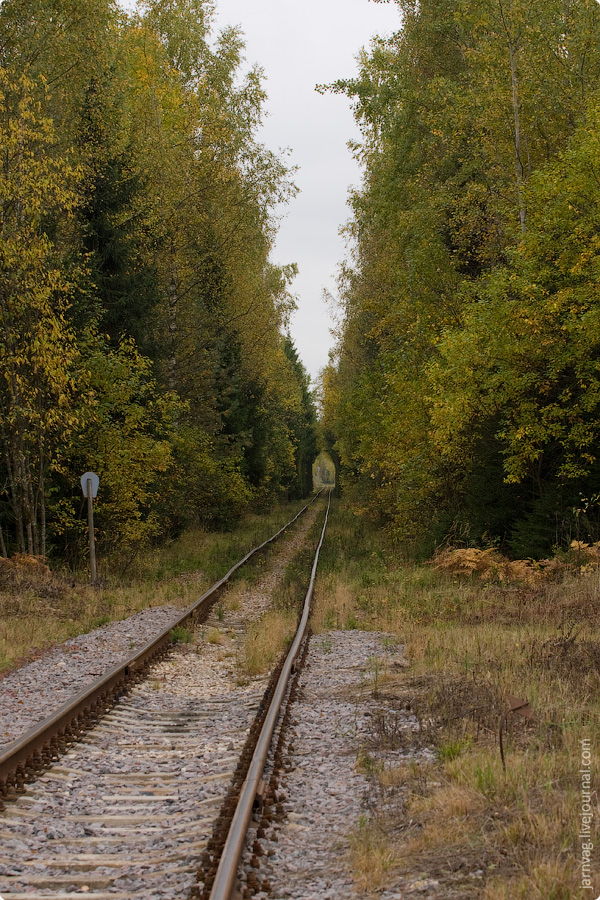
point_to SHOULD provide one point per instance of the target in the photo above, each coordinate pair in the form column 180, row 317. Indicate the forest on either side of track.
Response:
column 142, row 324
column 465, row 386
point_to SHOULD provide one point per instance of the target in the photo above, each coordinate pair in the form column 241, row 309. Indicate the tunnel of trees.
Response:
column 464, row 393
column 143, row 324
column 323, row 471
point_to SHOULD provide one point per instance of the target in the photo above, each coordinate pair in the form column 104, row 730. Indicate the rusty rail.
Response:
column 224, row 881
column 23, row 759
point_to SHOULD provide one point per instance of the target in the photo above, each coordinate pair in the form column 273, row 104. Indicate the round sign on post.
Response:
column 89, row 486
column 95, row 483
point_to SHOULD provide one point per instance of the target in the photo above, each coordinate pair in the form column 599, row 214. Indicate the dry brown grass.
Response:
column 521, row 823
column 487, row 565
column 522, row 819
column 266, row 640
column 334, row 605
column 234, row 595
column 39, row 608
column 490, row 564
column 371, row 856
column 547, row 879
column 214, row 636
column 472, row 641
column 29, row 623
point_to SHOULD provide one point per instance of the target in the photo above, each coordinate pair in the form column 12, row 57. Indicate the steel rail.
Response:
column 29, row 754
column 224, row 882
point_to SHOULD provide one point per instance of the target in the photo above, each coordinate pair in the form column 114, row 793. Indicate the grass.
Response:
column 214, row 636
column 39, row 608
column 266, row 640
column 471, row 643
column 291, row 589
column 235, row 591
column 371, row 855
column 268, row 637
column 181, row 635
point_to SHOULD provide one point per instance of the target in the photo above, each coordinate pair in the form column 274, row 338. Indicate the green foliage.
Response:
column 142, row 320
column 463, row 394
column 525, row 360
column 37, row 348
column 302, row 425
column 122, row 290
column 208, row 485
column 181, row 635
column 126, row 439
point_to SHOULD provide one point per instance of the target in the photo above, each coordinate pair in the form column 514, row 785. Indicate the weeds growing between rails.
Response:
column 477, row 830
column 268, row 637
column 39, row 608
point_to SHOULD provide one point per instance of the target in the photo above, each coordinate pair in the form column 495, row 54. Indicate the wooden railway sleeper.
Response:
column 46, row 750
column 9, row 789
column 20, row 780
column 218, row 869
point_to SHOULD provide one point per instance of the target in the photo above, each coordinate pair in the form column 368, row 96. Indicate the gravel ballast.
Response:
column 127, row 811
column 37, row 689
column 34, row 691
column 306, row 855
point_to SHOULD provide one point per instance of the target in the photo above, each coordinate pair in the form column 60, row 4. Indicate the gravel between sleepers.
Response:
column 128, row 810
column 34, row 691
column 306, row 856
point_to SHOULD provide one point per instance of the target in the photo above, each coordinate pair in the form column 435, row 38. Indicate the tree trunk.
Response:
column 23, row 488
column 172, row 375
column 30, row 549
column 515, row 101
column 41, row 494
column 42, row 510
column 32, row 508
column 15, row 496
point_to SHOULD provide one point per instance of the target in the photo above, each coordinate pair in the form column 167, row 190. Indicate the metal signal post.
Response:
column 89, row 486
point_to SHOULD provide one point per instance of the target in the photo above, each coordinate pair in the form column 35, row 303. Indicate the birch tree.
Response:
column 37, row 346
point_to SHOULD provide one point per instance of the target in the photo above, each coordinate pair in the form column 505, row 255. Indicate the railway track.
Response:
column 154, row 801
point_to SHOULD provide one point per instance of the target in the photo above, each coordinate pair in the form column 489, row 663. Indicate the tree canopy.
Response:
column 463, row 390
column 143, row 322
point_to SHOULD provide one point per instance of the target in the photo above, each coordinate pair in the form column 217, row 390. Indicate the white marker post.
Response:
column 89, row 486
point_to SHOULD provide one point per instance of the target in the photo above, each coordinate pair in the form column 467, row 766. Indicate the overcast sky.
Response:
column 300, row 45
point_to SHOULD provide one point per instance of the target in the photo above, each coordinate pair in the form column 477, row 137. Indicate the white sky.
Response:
column 301, row 43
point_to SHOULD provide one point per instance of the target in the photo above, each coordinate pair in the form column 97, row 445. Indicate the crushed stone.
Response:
column 306, row 855
column 34, row 691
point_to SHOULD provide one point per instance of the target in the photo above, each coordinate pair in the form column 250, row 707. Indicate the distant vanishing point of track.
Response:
column 144, row 785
